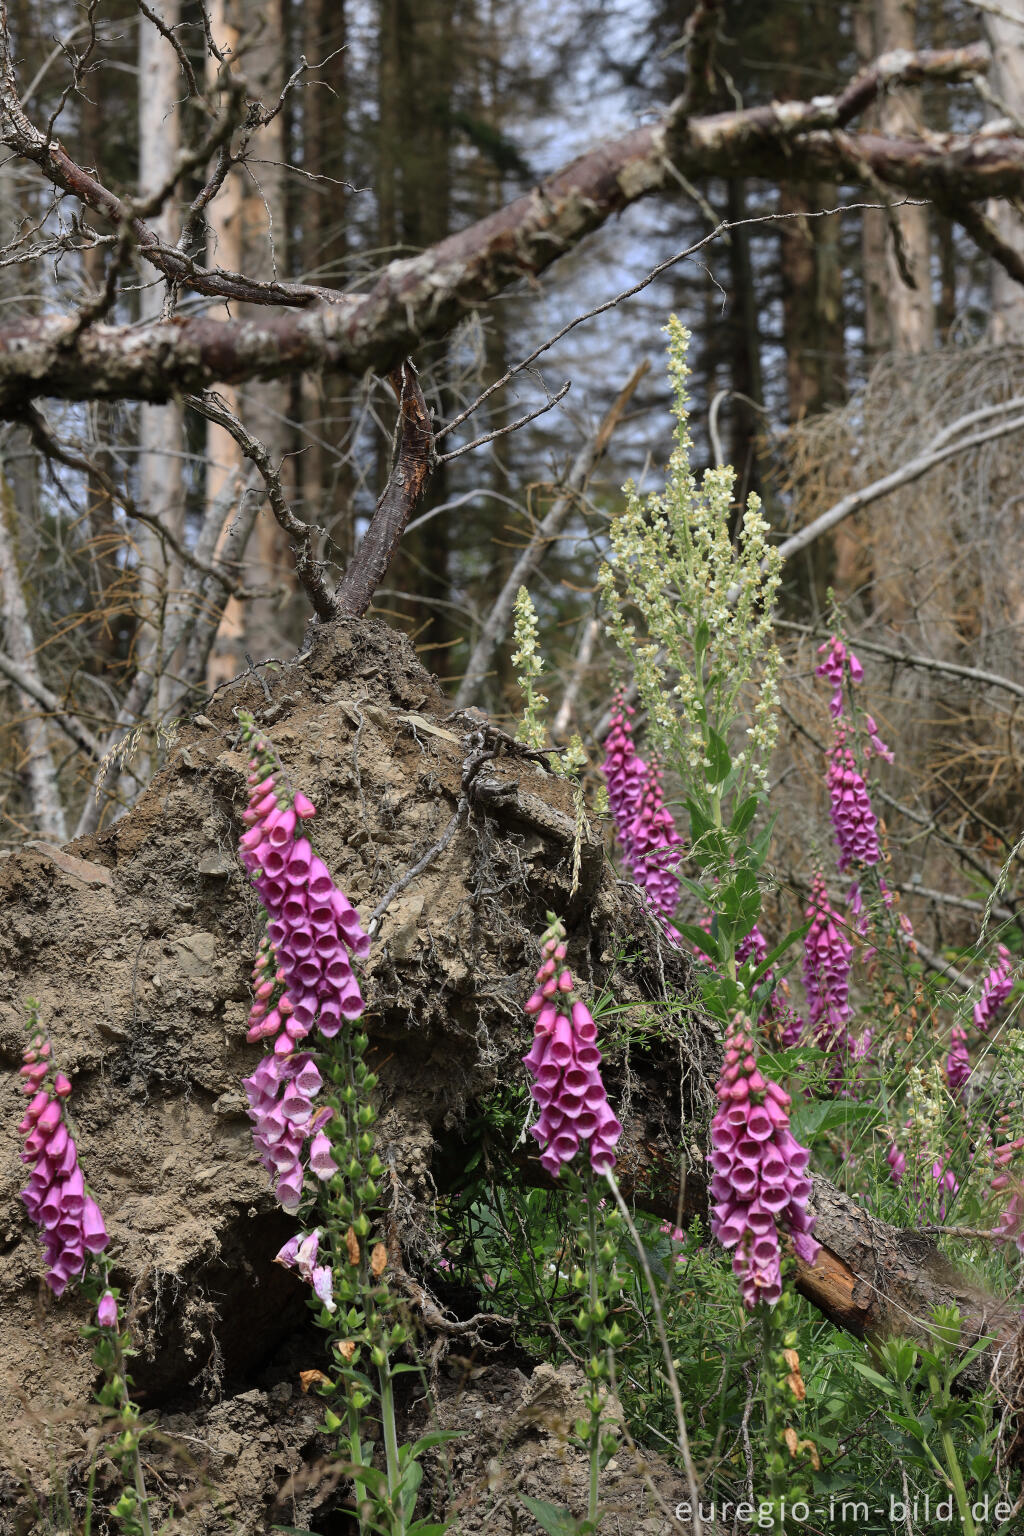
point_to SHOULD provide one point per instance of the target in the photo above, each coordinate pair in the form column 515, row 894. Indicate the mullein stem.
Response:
column 387, row 1415
column 956, row 1477
column 593, row 1342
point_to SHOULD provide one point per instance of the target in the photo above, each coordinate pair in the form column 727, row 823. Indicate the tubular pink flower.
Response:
column 875, row 743
column 69, row 1220
column 837, row 660
column 302, row 976
column 624, row 772
column 758, row 1173
column 995, row 989
column 653, row 839
column 958, row 1062
column 897, row 1161
column 106, row 1312
column 850, row 808
column 828, row 960
column 564, row 1064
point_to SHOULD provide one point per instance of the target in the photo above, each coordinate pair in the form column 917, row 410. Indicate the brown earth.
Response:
column 138, row 944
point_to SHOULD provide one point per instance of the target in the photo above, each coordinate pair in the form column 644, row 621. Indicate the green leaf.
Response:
column 777, row 953
column 876, row 1380
column 758, row 849
column 703, row 940
column 810, row 1120
column 360, row 1472
column 431, row 1438
column 407, row 1490
column 553, row 1518
column 912, row 1427
column 744, row 815
column 700, row 822
column 718, row 757
column 971, row 1354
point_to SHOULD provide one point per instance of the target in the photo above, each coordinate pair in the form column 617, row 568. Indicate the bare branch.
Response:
column 309, row 571
column 29, row 682
column 413, row 466
column 513, row 426
column 167, row 33
column 699, row 37
column 52, row 448
column 591, row 629
column 427, row 294
column 925, row 663
column 856, row 501
column 547, row 531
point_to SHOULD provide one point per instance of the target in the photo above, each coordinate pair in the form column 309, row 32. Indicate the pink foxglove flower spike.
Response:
column 958, row 1062
column 625, row 774
column 70, row 1222
column 850, row 808
column 643, row 823
column 303, row 977
column 759, row 1179
column 828, row 961
column 838, row 660
column 564, row 1064
column 995, row 989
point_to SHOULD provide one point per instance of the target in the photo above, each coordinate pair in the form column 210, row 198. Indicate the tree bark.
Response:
column 161, row 441
column 1004, row 29
column 423, row 297
column 45, row 803
column 897, row 247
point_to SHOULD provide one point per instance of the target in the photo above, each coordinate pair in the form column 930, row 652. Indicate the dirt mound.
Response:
column 138, row 945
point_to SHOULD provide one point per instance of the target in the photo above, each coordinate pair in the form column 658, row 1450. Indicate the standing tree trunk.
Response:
column 40, row 771
column 248, row 233
column 160, row 426
column 910, row 539
column 417, row 70
column 898, row 317
column 1006, row 39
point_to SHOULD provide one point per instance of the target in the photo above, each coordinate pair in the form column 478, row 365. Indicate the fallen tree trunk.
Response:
column 138, row 944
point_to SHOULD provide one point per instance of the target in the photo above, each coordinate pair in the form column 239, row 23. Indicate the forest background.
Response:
column 829, row 348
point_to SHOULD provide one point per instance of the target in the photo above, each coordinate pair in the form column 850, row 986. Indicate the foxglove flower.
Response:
column 897, row 1161
column 280, row 1094
column 69, row 1220
column 790, row 1025
column 302, row 976
column 838, row 660
column 946, row 1180
column 644, row 825
column 876, row 745
column 759, row 1173
column 995, row 989
column 106, row 1312
column 300, row 1253
column 828, row 960
column 754, row 946
column 625, row 774
column 1011, row 1223
column 958, row 1062
column 850, row 808
column 564, row 1063
column 653, row 841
